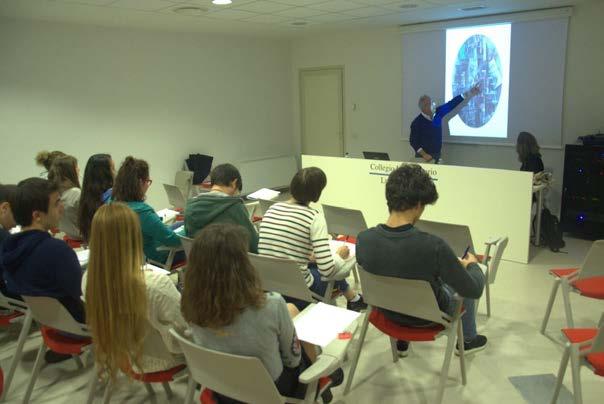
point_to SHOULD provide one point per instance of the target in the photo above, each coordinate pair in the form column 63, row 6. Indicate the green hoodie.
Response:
column 155, row 232
column 218, row 207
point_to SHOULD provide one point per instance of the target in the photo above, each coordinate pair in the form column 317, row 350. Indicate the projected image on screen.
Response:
column 479, row 55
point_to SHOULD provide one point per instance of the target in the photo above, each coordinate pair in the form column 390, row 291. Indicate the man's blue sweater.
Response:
column 427, row 134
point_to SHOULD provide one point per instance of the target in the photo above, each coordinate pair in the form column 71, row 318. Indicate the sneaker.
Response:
column 403, row 348
column 358, row 305
column 476, row 345
column 54, row 357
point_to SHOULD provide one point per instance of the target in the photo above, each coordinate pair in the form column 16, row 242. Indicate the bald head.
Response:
column 425, row 105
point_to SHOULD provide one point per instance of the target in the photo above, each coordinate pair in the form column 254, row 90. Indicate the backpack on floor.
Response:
column 551, row 233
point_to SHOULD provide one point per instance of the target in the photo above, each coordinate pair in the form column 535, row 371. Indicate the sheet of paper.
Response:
column 322, row 323
column 83, row 256
column 264, row 193
column 167, row 215
column 335, row 244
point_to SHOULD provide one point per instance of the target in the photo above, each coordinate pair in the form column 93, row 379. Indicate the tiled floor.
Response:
column 516, row 348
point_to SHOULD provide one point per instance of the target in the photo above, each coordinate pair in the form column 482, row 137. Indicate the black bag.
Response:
column 551, row 233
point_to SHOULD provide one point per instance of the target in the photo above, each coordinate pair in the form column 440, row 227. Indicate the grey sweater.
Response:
column 267, row 333
column 408, row 253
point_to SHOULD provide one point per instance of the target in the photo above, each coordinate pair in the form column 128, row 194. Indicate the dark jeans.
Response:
column 318, row 286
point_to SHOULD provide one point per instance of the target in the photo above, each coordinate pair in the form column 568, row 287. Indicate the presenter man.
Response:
column 426, row 129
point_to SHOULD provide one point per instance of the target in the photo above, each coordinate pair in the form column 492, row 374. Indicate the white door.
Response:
column 321, row 112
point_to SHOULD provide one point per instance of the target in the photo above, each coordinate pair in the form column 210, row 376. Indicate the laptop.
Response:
column 175, row 196
column 376, row 155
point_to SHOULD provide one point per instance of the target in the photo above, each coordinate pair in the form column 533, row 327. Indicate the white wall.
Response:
column 157, row 96
column 372, row 63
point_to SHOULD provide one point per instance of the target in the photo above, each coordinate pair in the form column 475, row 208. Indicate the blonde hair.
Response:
column 116, row 300
column 45, row 158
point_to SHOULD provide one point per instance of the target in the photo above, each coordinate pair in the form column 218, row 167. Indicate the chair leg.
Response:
column 393, row 349
column 167, row 389
column 576, row 371
column 567, row 310
column 550, row 304
column 462, row 351
column 18, row 353
column 94, row 381
column 190, row 395
column 78, row 361
column 357, row 351
column 149, row 388
column 35, row 372
column 561, row 372
column 444, row 373
column 488, row 296
column 311, row 391
column 108, row 391
column 355, row 273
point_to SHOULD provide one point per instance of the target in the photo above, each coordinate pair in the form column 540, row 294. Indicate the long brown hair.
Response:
column 116, row 299
column 64, row 173
column 526, row 145
column 128, row 184
column 220, row 281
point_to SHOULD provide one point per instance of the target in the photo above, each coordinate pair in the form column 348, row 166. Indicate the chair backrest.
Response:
column 281, row 275
column 239, row 377
column 598, row 342
column 407, row 296
column 496, row 255
column 456, row 235
column 175, row 196
column 265, row 204
column 184, row 181
column 594, row 261
column 13, row 304
column 187, row 243
column 49, row 312
column 349, row 222
column 251, row 208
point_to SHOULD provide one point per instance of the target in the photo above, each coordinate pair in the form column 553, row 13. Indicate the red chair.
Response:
column 72, row 242
column 588, row 281
column 151, row 344
column 584, row 347
column 414, row 298
column 56, row 322
column 20, row 312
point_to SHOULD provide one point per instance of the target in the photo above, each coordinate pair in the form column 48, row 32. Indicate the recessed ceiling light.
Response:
column 472, row 8
column 190, row 10
column 299, row 23
column 221, row 2
column 410, row 5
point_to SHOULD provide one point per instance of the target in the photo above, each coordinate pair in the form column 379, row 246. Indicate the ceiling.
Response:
column 279, row 18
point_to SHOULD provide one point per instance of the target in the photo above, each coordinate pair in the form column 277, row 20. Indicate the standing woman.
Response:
column 96, row 189
column 528, row 153
column 131, row 185
column 128, row 309
column 45, row 159
column 64, row 172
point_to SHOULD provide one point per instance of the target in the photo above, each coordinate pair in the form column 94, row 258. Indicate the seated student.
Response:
column 45, row 159
column 228, row 311
column 131, row 185
column 294, row 230
column 7, row 222
column 96, row 189
column 64, row 173
column 35, row 263
column 135, row 302
column 220, row 205
column 528, row 153
column 398, row 249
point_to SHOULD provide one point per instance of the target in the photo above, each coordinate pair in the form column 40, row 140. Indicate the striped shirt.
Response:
column 296, row 231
